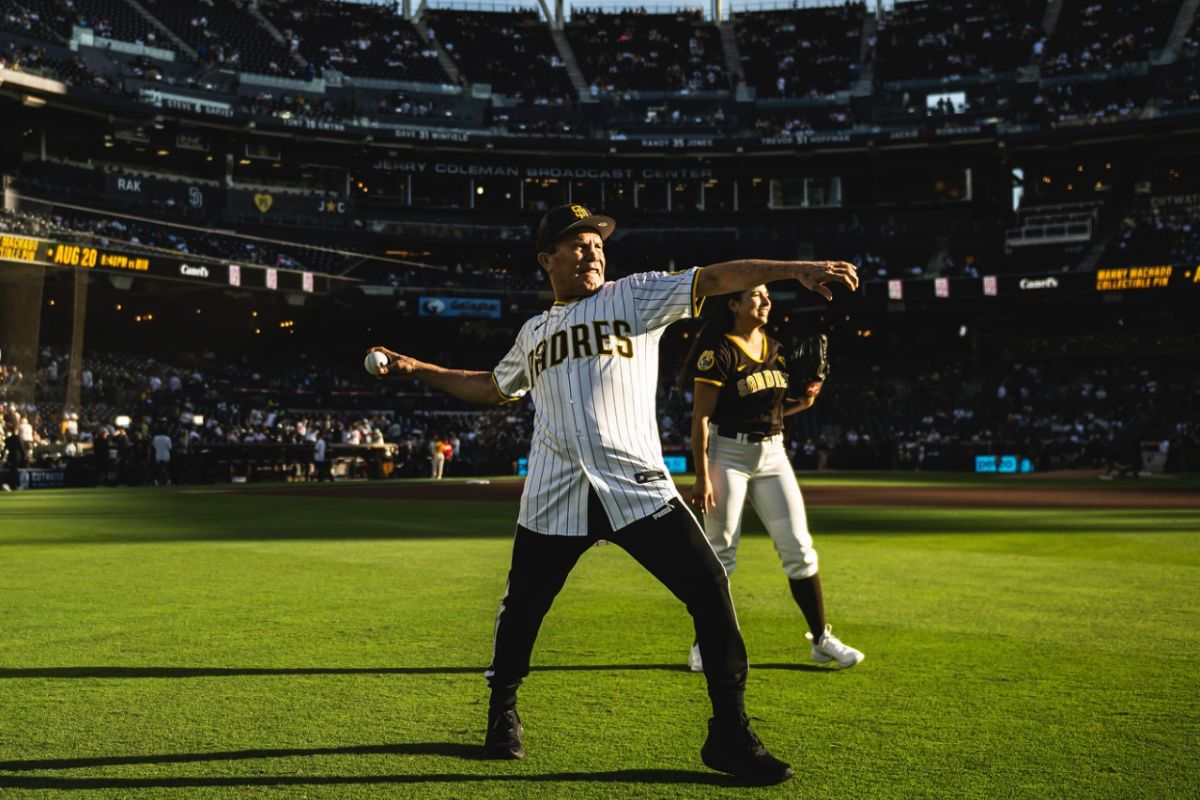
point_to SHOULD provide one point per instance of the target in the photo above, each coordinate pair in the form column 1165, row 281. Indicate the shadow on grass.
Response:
column 631, row 776
column 19, row 673
column 451, row 749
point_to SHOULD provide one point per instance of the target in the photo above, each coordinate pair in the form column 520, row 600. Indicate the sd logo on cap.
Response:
column 558, row 222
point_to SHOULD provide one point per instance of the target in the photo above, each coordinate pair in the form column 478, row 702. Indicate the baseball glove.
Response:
column 809, row 364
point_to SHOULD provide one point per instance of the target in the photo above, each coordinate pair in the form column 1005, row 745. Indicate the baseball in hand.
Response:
column 375, row 361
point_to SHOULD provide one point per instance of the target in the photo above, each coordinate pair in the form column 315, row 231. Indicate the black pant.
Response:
column 673, row 548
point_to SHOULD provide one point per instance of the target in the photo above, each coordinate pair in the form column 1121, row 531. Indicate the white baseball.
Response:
column 375, row 361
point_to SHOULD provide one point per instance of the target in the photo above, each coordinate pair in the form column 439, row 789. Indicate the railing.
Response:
column 86, row 37
column 1044, row 220
column 784, row 5
column 667, row 7
column 1060, row 233
column 1069, row 208
column 494, row 6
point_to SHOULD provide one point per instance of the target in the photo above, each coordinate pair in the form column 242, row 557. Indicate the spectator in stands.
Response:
column 162, row 458
column 437, row 456
column 16, row 453
column 322, row 458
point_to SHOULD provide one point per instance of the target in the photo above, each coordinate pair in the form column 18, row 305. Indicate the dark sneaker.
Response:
column 735, row 749
column 504, row 735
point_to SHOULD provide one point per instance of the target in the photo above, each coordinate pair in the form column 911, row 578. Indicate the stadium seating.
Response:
column 362, row 40
column 511, row 51
column 116, row 19
column 637, row 51
column 957, row 38
column 1116, row 100
column 929, row 408
column 42, row 19
column 1100, row 37
column 803, row 53
column 1158, row 231
column 794, row 59
column 1183, row 87
column 72, row 69
column 226, row 33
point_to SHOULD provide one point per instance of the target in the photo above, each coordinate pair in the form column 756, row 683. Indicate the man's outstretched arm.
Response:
column 469, row 385
column 743, row 274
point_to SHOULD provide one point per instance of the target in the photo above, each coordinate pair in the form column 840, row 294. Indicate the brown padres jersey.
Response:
column 752, row 385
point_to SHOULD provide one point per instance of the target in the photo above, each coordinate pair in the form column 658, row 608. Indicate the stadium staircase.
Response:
column 1050, row 18
column 1032, row 72
column 183, row 46
column 733, row 56
column 442, row 56
column 1183, row 24
column 276, row 35
column 573, row 71
column 866, row 81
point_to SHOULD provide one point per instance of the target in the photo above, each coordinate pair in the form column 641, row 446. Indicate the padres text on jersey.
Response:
column 591, row 367
column 750, row 385
column 601, row 338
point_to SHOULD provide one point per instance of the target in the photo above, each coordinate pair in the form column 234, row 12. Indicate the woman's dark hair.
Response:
column 718, row 320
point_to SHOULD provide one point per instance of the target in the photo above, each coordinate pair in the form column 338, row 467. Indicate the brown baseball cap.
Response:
column 562, row 220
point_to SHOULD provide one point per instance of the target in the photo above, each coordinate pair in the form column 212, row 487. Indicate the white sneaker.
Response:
column 830, row 648
column 694, row 662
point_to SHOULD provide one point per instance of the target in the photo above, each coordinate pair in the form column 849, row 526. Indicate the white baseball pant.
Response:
column 762, row 470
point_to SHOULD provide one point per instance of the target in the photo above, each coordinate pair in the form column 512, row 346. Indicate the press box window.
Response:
column 652, row 195
column 436, row 191
column 685, row 195
column 806, row 192
column 718, row 195
column 495, row 194
column 543, row 194
column 587, row 193
column 753, row 193
column 618, row 196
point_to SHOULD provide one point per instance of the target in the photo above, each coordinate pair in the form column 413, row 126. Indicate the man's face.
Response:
column 576, row 265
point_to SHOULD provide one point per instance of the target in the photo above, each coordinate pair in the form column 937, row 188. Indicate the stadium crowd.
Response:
column 807, row 54
column 637, row 51
column 804, row 53
column 358, row 39
column 487, row 46
column 954, row 39
column 221, row 416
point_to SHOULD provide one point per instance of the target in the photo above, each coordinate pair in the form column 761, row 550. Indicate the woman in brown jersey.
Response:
column 740, row 389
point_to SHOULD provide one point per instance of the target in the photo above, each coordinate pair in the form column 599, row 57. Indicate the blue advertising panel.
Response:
column 676, row 465
column 985, row 463
column 460, row 307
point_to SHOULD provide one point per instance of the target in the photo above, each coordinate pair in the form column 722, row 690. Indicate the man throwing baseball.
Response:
column 596, row 469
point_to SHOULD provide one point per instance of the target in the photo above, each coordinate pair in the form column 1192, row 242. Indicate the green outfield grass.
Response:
column 174, row 644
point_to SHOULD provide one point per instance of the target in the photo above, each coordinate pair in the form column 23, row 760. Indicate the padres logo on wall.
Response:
column 706, row 361
column 263, row 202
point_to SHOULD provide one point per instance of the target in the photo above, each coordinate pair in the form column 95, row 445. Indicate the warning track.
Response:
column 915, row 496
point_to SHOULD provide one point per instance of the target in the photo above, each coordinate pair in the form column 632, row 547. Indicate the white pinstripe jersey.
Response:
column 591, row 366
